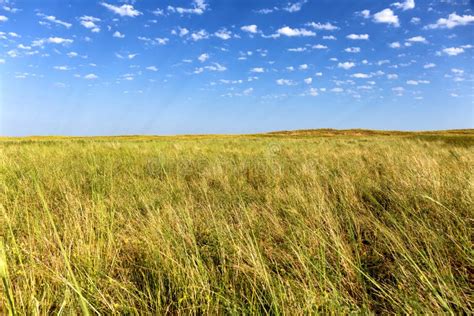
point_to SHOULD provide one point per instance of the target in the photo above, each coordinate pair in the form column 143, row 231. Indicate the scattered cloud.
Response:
column 89, row 22
column 123, row 10
column 198, row 7
column 55, row 20
column 257, row 70
column 395, row 45
column 118, row 34
column 453, row 51
column 290, row 32
column 152, row 68
column 352, row 50
column 386, row 16
column 417, row 39
column 452, row 21
column 91, row 77
column 323, row 26
column 223, row 34
column 407, row 5
column 250, row 28
column 428, row 66
column 346, row 65
column 203, row 57
column 3, row 18
column 358, row 36
column 295, row 7
column 285, row 82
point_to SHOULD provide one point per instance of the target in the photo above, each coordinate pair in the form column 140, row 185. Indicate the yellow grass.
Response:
column 281, row 223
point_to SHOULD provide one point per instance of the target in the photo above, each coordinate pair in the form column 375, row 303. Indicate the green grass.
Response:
column 283, row 223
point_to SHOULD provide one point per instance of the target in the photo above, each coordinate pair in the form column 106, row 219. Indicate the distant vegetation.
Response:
column 283, row 223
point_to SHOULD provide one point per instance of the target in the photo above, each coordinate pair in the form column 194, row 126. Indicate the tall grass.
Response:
column 280, row 225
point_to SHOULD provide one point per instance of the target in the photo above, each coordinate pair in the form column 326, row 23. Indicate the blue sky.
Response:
column 112, row 67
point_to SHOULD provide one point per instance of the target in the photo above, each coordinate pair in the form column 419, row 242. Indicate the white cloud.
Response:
column 161, row 40
column 247, row 91
column 183, row 31
column 415, row 20
column 198, row 7
column 352, row 50
column 250, row 28
column 297, row 50
column 2, row 61
column 319, row 46
column 358, row 36
column 59, row 40
column 63, row 68
column 257, row 70
column 417, row 82
column 200, row 35
column 457, row 71
column 89, row 22
column 386, row 16
column 53, row 19
column 203, row 57
column 303, row 67
column 318, row 74
column 453, row 51
column 123, row 10
column 395, row 45
column 152, row 68
column 118, row 34
column 430, row 65
column 453, row 20
column 365, row 14
column 290, row 32
column 3, row 18
column 329, row 37
column 72, row 54
column 392, row 76
column 337, row 90
column 346, row 65
column 21, row 46
column 214, row 67
column 91, row 76
column 407, row 5
column 417, row 39
column 308, row 80
column 325, row 26
column 223, row 34
column 295, row 7
column 313, row 92
column 285, row 82
column 360, row 76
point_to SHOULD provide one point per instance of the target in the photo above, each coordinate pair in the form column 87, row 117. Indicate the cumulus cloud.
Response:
column 223, row 34
column 417, row 39
column 198, row 7
column 118, row 34
column 55, row 20
column 323, row 26
column 428, row 66
column 89, row 22
column 407, row 5
column 3, row 18
column 308, row 80
column 290, row 32
column 346, row 65
column 352, row 50
column 250, row 28
column 319, row 46
column 295, row 7
column 360, row 75
column 285, row 82
column 199, row 35
column 91, row 76
column 152, row 68
column 358, row 36
column 395, row 45
column 386, row 16
column 123, row 10
column 203, row 57
column 257, row 70
column 453, row 20
column 453, row 51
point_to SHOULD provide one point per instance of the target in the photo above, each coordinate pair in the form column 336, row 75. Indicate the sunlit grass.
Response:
column 279, row 224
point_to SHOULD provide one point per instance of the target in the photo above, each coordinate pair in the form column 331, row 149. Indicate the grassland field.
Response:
column 288, row 223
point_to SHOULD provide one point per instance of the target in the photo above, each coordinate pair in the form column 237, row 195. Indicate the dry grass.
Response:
column 236, row 225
